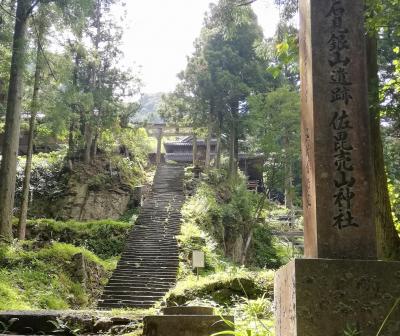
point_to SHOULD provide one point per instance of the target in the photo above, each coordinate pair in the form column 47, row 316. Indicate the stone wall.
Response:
column 84, row 193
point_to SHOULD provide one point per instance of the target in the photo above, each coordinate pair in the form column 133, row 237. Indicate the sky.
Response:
column 160, row 35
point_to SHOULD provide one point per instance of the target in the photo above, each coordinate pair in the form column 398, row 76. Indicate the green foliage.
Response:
column 219, row 213
column 394, row 194
column 46, row 179
column 274, row 128
column 218, row 208
column 266, row 252
column 282, row 54
column 252, row 318
column 105, row 238
column 224, row 288
column 42, row 278
column 135, row 145
column 193, row 238
column 351, row 331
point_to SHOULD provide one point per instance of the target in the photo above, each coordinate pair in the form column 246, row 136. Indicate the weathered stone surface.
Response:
column 85, row 204
column 148, row 266
column 188, row 310
column 317, row 297
column 184, row 325
column 51, row 322
column 335, row 132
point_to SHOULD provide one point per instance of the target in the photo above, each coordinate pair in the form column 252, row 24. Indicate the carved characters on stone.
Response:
column 341, row 124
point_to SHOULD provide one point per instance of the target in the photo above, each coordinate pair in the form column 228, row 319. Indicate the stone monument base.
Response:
column 185, row 321
column 325, row 297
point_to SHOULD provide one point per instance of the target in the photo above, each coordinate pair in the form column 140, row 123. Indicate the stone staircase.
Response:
column 148, row 266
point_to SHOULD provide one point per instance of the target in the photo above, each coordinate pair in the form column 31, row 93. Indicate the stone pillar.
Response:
column 159, row 143
column 344, row 287
column 335, row 133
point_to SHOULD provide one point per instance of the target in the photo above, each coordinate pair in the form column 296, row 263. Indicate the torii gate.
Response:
column 160, row 130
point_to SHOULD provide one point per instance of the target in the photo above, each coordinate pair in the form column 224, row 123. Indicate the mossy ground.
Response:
column 41, row 273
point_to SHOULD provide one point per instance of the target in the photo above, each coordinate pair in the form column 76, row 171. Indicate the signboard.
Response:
column 198, row 259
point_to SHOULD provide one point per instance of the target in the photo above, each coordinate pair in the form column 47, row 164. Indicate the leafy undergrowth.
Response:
column 62, row 265
column 231, row 216
column 55, row 276
column 215, row 216
column 222, row 288
column 234, row 290
column 105, row 238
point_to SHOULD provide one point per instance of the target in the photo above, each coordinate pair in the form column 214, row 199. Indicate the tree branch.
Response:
column 7, row 11
column 249, row 2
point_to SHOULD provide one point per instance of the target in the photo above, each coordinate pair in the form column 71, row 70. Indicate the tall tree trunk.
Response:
column 93, row 153
column 219, row 139
column 289, row 186
column 387, row 238
column 218, row 150
column 195, row 150
column 234, row 141
column 208, row 143
column 88, row 143
column 13, row 120
column 271, row 179
column 71, row 140
column 32, row 121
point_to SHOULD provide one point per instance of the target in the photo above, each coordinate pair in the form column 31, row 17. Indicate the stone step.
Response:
column 125, row 297
column 149, row 256
column 135, row 258
column 132, row 283
column 124, row 305
column 149, row 264
column 145, row 292
column 141, row 259
column 134, row 289
column 161, row 254
column 143, row 277
column 140, row 268
column 141, row 282
column 161, row 249
column 152, row 244
column 160, row 274
column 166, row 286
column 150, row 249
column 144, row 267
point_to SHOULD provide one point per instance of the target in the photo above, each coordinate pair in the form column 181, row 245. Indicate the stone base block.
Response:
column 323, row 297
column 184, row 325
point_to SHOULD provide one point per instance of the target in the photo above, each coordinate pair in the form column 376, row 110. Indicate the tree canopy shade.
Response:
column 13, row 117
column 84, row 93
column 273, row 126
column 222, row 73
column 382, row 23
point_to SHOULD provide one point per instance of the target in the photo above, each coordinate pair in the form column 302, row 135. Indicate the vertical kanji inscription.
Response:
column 335, row 133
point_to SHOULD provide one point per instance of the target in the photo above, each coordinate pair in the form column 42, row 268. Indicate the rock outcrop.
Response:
column 97, row 191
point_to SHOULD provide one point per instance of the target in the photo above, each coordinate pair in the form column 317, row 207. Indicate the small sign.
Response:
column 198, row 259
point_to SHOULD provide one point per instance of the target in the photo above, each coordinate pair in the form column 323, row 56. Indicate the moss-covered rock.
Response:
column 222, row 288
column 48, row 277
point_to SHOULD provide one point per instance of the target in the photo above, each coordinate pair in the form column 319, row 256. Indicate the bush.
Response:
column 264, row 253
column 226, row 210
column 45, row 278
column 105, row 238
